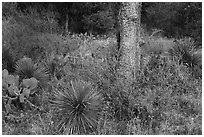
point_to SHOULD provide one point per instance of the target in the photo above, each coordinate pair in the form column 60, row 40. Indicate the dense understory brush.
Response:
column 161, row 86
column 31, row 34
column 82, row 72
column 21, row 39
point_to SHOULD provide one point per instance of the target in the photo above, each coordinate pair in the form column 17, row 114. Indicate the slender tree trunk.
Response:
column 130, row 35
column 116, row 10
column 67, row 25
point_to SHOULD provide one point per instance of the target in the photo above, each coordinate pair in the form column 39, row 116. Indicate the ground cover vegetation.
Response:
column 60, row 71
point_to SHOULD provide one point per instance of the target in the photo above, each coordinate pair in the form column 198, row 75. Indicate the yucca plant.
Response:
column 77, row 107
column 26, row 68
column 54, row 64
column 186, row 50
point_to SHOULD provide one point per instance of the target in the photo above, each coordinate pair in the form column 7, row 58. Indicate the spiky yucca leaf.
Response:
column 77, row 107
column 197, row 58
column 26, row 68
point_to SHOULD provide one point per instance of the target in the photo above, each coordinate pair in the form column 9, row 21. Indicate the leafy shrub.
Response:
column 24, row 40
column 77, row 107
column 21, row 39
column 38, row 20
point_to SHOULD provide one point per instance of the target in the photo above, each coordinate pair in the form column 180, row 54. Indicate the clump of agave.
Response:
column 77, row 105
column 188, row 54
column 26, row 68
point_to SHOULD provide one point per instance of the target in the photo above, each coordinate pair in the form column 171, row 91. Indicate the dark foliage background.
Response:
column 176, row 19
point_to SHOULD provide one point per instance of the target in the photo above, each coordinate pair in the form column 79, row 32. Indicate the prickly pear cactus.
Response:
column 30, row 83
column 10, row 82
column 14, row 90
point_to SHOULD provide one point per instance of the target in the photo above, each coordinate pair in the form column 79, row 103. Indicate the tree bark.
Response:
column 130, row 36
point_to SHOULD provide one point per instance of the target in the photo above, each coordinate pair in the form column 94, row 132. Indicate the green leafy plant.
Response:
column 77, row 107
column 13, row 90
column 25, row 68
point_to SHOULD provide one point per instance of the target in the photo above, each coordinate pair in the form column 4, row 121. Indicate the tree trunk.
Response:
column 67, row 25
column 130, row 35
column 116, row 10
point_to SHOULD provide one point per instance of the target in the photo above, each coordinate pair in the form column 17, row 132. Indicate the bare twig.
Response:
column 10, row 98
column 31, row 104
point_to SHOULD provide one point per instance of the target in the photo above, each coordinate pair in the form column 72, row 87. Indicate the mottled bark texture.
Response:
column 130, row 36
